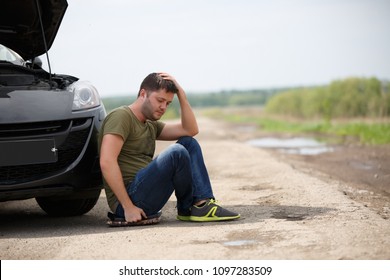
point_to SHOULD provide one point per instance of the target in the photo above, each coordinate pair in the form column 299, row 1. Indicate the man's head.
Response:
column 154, row 82
column 154, row 96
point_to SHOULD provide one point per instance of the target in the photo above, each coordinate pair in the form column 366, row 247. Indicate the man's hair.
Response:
column 154, row 82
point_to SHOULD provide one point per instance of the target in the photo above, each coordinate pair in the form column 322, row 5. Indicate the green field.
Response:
column 365, row 131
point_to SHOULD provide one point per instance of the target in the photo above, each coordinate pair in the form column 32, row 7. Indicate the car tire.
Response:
column 62, row 207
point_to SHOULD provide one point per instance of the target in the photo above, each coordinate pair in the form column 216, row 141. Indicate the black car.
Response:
column 48, row 122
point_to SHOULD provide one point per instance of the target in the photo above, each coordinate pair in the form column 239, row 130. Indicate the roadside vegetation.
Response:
column 353, row 109
column 349, row 98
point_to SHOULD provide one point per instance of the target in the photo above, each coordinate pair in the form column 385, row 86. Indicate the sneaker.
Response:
column 209, row 212
column 183, row 216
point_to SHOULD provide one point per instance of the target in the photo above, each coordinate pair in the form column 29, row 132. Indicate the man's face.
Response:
column 156, row 103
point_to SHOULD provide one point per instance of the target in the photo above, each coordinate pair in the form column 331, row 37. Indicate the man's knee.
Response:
column 179, row 152
column 188, row 142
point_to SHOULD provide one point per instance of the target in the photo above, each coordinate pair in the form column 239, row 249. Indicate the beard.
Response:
column 149, row 112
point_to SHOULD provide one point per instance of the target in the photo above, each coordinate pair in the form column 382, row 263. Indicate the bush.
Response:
column 353, row 97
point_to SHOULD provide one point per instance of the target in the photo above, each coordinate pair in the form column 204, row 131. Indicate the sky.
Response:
column 215, row 45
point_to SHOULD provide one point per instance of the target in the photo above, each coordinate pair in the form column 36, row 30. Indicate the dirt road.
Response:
column 287, row 213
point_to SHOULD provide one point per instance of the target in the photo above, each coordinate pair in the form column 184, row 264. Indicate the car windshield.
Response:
column 9, row 55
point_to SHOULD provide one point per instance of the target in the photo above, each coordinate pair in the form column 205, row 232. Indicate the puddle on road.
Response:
column 239, row 242
column 361, row 165
column 296, row 145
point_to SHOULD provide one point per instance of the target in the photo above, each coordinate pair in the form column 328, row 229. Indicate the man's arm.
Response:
column 109, row 151
column 188, row 125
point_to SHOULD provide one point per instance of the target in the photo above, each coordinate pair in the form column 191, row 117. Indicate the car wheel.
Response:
column 61, row 207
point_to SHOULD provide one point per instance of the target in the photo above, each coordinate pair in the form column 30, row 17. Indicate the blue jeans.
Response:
column 180, row 169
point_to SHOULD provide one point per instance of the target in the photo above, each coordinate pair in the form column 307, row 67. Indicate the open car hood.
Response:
column 20, row 28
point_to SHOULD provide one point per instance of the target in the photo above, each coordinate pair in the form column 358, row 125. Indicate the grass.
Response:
column 365, row 131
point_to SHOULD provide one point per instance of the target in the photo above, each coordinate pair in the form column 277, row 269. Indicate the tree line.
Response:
column 256, row 97
column 351, row 97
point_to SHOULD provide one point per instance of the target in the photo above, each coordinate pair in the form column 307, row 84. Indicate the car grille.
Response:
column 67, row 152
column 38, row 128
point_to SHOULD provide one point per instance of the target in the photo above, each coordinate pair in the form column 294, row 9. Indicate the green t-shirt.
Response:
column 138, row 147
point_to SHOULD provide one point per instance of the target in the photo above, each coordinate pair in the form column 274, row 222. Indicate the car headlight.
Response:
column 85, row 95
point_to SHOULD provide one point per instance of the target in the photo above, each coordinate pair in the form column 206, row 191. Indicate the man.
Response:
column 137, row 187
